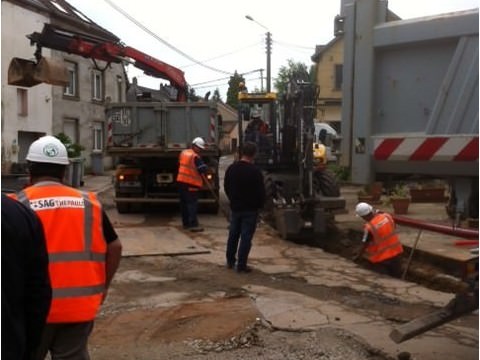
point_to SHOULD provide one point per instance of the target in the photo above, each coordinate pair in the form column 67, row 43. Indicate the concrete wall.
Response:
column 16, row 23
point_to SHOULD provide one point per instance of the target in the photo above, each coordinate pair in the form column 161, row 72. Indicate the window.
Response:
column 22, row 102
column 71, row 88
column 119, row 88
column 97, row 137
column 97, row 85
column 70, row 128
column 338, row 76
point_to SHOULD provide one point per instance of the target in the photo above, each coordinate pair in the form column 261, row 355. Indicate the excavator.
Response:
column 302, row 193
column 28, row 73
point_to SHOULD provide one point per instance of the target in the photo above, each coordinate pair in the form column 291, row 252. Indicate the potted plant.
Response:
column 428, row 192
column 364, row 196
column 74, row 150
column 74, row 173
column 400, row 199
column 371, row 193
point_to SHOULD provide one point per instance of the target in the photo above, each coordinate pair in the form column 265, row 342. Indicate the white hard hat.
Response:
column 363, row 209
column 48, row 149
column 255, row 114
column 199, row 142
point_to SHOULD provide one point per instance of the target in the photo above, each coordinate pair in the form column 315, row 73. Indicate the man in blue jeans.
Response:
column 244, row 187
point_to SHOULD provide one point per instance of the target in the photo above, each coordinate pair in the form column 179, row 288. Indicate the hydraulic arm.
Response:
column 99, row 49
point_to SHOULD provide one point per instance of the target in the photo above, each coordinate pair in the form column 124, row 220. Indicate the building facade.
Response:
column 77, row 110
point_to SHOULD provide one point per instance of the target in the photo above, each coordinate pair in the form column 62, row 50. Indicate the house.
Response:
column 229, row 140
column 77, row 109
column 329, row 77
column 329, row 68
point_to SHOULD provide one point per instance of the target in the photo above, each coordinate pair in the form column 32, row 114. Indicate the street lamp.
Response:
column 268, row 42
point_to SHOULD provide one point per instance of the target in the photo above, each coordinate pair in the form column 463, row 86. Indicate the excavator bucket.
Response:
column 51, row 71
column 21, row 73
column 27, row 73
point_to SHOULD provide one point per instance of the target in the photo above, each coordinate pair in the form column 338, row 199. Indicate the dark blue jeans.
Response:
column 188, row 206
column 242, row 227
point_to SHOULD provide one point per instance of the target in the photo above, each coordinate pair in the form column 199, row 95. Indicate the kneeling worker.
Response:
column 381, row 245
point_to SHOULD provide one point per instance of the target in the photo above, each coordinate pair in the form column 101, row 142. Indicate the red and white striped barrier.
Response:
column 212, row 129
column 437, row 148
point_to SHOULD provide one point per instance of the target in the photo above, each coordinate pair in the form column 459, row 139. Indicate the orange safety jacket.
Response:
column 385, row 244
column 187, row 170
column 72, row 222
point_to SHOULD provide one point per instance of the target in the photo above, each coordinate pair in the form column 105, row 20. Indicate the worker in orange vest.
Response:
column 83, row 249
column 191, row 170
column 381, row 245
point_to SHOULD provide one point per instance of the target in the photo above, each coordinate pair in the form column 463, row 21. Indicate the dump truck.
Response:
column 410, row 107
column 145, row 137
column 410, row 99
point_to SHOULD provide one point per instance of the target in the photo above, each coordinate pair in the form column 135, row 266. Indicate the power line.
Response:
column 225, row 78
column 144, row 28
column 294, row 45
column 223, row 55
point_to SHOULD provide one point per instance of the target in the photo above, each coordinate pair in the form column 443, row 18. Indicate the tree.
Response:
column 294, row 70
column 192, row 96
column 216, row 95
column 234, row 88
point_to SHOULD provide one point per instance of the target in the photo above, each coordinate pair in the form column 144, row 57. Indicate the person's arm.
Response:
column 365, row 242
column 200, row 165
column 114, row 251
column 227, row 182
column 112, row 260
column 38, row 289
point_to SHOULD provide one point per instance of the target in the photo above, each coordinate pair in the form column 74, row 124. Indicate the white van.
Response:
column 324, row 134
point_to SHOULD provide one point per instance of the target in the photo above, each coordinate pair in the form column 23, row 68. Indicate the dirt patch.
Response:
column 214, row 320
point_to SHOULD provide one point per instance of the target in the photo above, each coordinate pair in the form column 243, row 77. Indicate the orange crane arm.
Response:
column 100, row 49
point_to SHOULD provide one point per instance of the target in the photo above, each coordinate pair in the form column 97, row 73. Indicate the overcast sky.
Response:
column 217, row 34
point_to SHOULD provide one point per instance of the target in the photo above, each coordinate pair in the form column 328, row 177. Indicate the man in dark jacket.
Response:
column 244, row 187
column 26, row 291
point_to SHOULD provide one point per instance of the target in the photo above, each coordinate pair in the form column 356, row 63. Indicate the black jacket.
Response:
column 243, row 184
column 26, row 291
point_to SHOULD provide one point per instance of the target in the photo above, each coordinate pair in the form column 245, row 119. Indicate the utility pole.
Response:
column 268, row 42
column 269, row 53
column 261, row 79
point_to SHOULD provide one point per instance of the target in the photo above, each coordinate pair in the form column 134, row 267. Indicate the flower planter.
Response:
column 400, row 205
column 428, row 195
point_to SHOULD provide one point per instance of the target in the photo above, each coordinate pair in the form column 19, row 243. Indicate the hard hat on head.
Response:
column 255, row 114
column 199, row 142
column 48, row 149
column 363, row 209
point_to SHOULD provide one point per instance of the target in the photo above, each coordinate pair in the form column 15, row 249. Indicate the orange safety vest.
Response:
column 187, row 170
column 72, row 222
column 385, row 244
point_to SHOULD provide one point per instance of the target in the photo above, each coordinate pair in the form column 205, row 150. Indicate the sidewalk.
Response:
column 97, row 183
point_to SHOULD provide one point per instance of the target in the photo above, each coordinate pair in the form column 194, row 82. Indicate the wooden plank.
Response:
column 459, row 306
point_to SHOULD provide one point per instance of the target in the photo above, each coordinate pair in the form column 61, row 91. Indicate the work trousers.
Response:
column 188, row 206
column 65, row 341
column 242, row 227
column 392, row 266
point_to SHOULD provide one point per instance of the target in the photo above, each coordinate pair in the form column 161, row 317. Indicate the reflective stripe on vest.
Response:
column 76, row 250
column 187, row 170
column 385, row 244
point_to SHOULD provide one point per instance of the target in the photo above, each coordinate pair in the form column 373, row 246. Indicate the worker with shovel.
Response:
column 381, row 245
column 191, row 169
